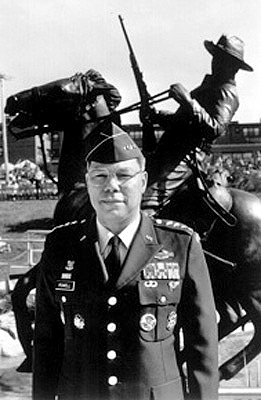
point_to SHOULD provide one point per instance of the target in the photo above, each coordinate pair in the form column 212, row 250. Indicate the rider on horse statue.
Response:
column 203, row 115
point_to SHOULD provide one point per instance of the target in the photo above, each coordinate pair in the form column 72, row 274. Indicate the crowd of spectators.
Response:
column 26, row 181
column 241, row 171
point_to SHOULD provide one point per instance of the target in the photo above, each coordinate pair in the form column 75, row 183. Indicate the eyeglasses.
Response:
column 101, row 177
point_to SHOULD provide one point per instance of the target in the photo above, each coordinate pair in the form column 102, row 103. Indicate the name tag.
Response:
column 67, row 286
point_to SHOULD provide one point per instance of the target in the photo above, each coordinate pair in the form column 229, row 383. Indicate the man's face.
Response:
column 224, row 64
column 115, row 191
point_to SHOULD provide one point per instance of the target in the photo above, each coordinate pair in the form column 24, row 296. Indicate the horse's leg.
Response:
column 230, row 368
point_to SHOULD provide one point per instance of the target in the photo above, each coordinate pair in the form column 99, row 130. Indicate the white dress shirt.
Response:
column 126, row 236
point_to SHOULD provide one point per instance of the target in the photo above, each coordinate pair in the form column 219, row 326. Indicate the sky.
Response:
column 45, row 40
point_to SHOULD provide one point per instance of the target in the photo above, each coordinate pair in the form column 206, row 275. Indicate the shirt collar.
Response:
column 126, row 235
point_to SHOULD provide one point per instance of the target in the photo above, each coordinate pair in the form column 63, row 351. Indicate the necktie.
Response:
column 113, row 262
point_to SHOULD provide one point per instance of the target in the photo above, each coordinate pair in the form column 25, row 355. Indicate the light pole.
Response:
column 4, row 135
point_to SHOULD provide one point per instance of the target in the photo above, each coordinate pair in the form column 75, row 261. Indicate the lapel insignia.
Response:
column 83, row 238
column 148, row 322
column 149, row 238
column 78, row 321
column 164, row 254
column 70, row 265
column 161, row 270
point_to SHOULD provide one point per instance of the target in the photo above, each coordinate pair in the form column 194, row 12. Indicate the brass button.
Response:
column 112, row 380
column 112, row 301
column 163, row 299
column 111, row 327
column 111, row 355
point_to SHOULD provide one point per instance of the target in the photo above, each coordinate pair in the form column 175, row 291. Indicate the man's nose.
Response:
column 112, row 183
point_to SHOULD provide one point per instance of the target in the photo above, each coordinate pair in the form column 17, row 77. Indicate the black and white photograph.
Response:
column 130, row 200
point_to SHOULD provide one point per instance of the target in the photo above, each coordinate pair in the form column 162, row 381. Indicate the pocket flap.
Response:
column 160, row 292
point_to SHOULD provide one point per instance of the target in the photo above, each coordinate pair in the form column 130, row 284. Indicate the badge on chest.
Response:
column 65, row 283
column 162, row 267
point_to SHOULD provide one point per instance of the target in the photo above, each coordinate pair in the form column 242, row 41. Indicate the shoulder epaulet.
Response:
column 68, row 224
column 173, row 225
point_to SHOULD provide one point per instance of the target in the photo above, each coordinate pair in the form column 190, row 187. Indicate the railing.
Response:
column 239, row 394
column 30, row 256
column 7, row 194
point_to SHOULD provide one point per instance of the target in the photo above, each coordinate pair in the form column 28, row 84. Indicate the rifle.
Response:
column 148, row 133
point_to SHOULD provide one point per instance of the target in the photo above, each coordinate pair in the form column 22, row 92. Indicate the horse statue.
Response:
column 75, row 104
column 228, row 220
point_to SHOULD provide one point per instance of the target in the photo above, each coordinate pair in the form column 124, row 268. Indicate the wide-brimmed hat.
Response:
column 231, row 45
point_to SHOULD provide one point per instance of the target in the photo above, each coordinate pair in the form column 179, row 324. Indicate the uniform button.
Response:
column 163, row 299
column 113, row 380
column 63, row 298
column 111, row 327
column 111, row 355
column 112, row 301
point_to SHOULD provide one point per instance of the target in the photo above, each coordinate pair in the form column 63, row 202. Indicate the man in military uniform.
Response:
column 115, row 293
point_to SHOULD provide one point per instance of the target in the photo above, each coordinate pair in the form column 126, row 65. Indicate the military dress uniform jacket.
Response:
column 97, row 342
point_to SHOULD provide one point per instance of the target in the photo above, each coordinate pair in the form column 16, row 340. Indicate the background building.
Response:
column 241, row 139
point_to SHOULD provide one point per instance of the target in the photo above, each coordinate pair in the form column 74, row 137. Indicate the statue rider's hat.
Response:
column 108, row 143
column 230, row 45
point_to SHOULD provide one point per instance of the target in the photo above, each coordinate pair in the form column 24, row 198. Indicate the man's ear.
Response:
column 144, row 181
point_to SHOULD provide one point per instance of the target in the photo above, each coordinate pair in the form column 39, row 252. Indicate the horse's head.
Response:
column 60, row 101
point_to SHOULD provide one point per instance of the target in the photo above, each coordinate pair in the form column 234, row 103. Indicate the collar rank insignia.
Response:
column 70, row 265
column 162, row 270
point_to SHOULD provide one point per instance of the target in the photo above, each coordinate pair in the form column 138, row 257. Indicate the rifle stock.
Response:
column 148, row 133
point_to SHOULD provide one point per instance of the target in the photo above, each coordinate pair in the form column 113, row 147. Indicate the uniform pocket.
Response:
column 168, row 391
column 158, row 304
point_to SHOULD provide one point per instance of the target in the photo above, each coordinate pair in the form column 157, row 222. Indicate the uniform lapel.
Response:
column 143, row 248
column 89, row 252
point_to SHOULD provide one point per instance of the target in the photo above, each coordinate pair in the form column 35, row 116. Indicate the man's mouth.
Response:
column 112, row 201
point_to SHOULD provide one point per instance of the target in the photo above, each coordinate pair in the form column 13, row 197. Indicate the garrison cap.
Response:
column 108, row 143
